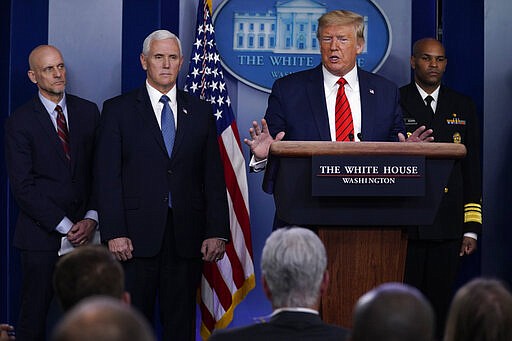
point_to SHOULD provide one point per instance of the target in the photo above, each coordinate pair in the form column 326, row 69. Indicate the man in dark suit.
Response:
column 49, row 144
column 304, row 105
column 162, row 196
column 393, row 311
column 434, row 250
column 294, row 276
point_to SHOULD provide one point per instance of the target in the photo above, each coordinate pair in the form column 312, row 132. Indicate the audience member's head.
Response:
column 87, row 271
column 293, row 267
column 481, row 310
column 102, row 318
column 393, row 312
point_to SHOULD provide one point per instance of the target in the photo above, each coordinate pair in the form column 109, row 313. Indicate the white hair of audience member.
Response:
column 293, row 264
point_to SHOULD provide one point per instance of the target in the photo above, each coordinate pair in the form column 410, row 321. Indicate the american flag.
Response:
column 223, row 284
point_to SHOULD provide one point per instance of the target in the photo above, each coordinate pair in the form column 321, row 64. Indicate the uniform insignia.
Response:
column 457, row 138
column 409, row 134
column 455, row 120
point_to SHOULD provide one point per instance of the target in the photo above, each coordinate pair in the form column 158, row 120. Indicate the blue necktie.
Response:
column 168, row 129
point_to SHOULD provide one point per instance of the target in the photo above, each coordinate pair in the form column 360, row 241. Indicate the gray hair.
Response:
column 159, row 35
column 293, row 264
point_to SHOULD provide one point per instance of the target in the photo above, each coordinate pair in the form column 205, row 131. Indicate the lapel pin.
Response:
column 185, row 111
column 372, row 91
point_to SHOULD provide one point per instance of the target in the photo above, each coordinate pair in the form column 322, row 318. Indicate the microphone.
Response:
column 360, row 136
column 351, row 137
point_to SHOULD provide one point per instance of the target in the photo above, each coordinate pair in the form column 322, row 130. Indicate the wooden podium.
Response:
column 364, row 236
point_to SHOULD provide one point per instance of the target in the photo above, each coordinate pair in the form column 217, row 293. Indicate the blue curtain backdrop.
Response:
column 25, row 24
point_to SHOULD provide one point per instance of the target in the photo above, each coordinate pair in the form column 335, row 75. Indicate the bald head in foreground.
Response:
column 103, row 318
column 392, row 312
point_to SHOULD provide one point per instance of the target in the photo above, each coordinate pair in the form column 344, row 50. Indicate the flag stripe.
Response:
column 224, row 284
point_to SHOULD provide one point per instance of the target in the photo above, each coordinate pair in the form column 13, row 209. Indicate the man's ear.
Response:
column 143, row 62
column 413, row 62
column 126, row 297
column 359, row 46
column 266, row 289
column 325, row 283
column 31, row 75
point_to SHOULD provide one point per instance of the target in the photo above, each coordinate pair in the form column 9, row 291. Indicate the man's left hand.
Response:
column 213, row 249
column 422, row 134
column 468, row 246
column 82, row 232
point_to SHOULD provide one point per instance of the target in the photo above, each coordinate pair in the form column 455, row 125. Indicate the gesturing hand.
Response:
column 261, row 139
column 422, row 134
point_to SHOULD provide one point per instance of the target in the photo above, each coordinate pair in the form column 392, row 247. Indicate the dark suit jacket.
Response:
column 454, row 121
column 45, row 185
column 135, row 175
column 293, row 326
column 297, row 107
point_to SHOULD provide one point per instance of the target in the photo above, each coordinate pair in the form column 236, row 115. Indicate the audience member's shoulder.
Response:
column 238, row 333
column 339, row 333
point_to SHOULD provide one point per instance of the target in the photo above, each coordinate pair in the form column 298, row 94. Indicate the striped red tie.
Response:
column 62, row 131
column 343, row 115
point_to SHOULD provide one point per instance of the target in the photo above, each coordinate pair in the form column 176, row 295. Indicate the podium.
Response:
column 364, row 236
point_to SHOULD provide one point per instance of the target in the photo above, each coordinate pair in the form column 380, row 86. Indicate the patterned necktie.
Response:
column 62, row 131
column 168, row 127
column 429, row 99
column 343, row 115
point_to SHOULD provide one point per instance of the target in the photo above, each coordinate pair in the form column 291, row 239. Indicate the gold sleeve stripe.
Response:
column 473, row 213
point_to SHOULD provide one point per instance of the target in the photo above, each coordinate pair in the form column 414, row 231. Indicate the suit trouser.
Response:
column 36, row 293
column 431, row 266
column 171, row 278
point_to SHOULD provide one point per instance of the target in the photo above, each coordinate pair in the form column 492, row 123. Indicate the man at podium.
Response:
column 434, row 250
column 335, row 101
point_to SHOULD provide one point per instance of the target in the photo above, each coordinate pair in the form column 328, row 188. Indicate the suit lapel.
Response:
column 44, row 120
column 415, row 106
column 368, row 103
column 145, row 109
column 316, row 96
column 184, row 115
column 74, row 130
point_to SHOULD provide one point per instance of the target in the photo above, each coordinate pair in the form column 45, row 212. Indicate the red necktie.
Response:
column 62, row 131
column 343, row 115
